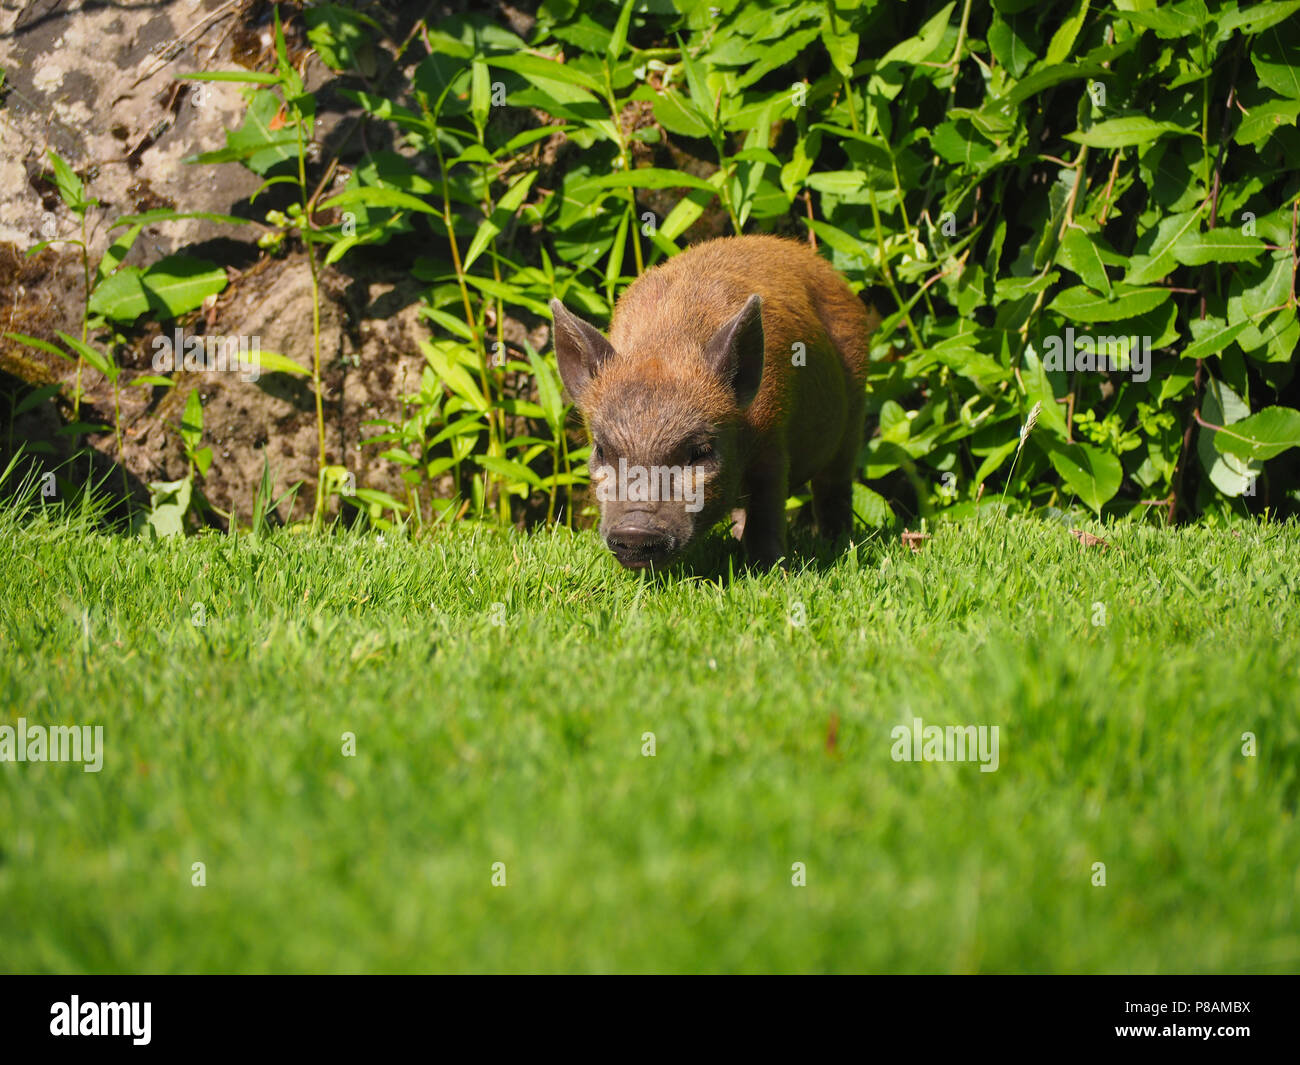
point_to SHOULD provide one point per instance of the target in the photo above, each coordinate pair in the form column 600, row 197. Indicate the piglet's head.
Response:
column 664, row 419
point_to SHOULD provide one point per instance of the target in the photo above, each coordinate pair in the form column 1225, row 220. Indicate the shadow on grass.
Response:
column 720, row 559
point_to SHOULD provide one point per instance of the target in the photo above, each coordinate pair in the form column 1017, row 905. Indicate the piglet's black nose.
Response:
column 636, row 543
column 638, row 538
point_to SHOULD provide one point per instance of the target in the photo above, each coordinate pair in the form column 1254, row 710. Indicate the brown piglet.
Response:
column 732, row 373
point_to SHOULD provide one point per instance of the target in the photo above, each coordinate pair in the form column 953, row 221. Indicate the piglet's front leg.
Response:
column 764, row 526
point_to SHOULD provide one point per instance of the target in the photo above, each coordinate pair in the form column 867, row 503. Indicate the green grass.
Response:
column 521, row 743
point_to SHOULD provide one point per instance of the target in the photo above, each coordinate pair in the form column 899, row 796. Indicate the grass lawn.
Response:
column 499, row 687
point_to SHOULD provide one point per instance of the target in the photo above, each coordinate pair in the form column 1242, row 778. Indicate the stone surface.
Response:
column 96, row 83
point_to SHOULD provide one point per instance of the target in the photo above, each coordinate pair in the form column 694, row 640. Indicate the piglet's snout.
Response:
column 638, row 543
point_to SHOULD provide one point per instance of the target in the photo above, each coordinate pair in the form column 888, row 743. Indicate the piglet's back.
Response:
column 672, row 310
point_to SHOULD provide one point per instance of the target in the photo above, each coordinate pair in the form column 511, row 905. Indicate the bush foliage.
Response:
column 1088, row 208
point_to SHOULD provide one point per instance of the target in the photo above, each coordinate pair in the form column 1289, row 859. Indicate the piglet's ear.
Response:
column 580, row 349
column 735, row 352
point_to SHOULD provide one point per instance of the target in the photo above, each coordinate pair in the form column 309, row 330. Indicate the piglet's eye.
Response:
column 701, row 452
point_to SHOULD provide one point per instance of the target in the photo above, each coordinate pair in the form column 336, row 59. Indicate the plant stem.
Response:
column 318, row 511
column 625, row 159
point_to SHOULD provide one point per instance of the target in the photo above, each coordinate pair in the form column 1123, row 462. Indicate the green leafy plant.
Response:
column 278, row 129
column 1089, row 209
column 115, row 295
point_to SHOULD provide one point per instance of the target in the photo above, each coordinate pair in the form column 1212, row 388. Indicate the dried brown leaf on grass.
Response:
column 915, row 540
column 1087, row 539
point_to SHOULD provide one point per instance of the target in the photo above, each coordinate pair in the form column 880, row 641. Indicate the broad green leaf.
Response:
column 525, row 409
column 101, row 362
column 1212, row 336
column 1046, row 78
column 117, row 251
column 1276, row 55
column 1058, row 50
column 192, row 420
column 402, row 458
column 1123, row 132
column 775, row 55
column 445, row 43
column 548, row 391
column 585, row 33
column 871, row 508
column 1092, row 474
column 378, row 196
column 1261, row 436
column 1038, row 389
column 1170, row 21
column 1016, row 288
column 1271, row 291
column 257, row 143
column 1009, row 45
column 121, row 296
column 837, row 182
column 40, row 345
column 339, row 35
column 480, row 93
column 1216, row 246
column 617, row 253
column 168, row 503
column 508, row 294
column 381, row 107
column 1174, row 383
column 840, row 42
column 958, row 144
column 162, row 214
column 524, row 139
column 918, row 48
column 975, row 366
column 1272, row 330
column 994, row 460
column 1220, row 405
column 618, row 39
column 1078, row 253
column 510, row 202
column 697, row 86
column 558, row 95
column 36, row 397
column 1264, row 118
column 1080, row 304
column 445, row 362
column 685, row 212
column 374, row 497
column 649, row 177
column 272, row 362
column 757, row 155
column 1156, row 261
column 839, row 240
column 1059, row 194
column 679, row 115
column 71, row 191
column 1256, row 17
column 180, row 283
column 461, row 427
column 509, row 470
column 262, row 150
column 449, row 322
